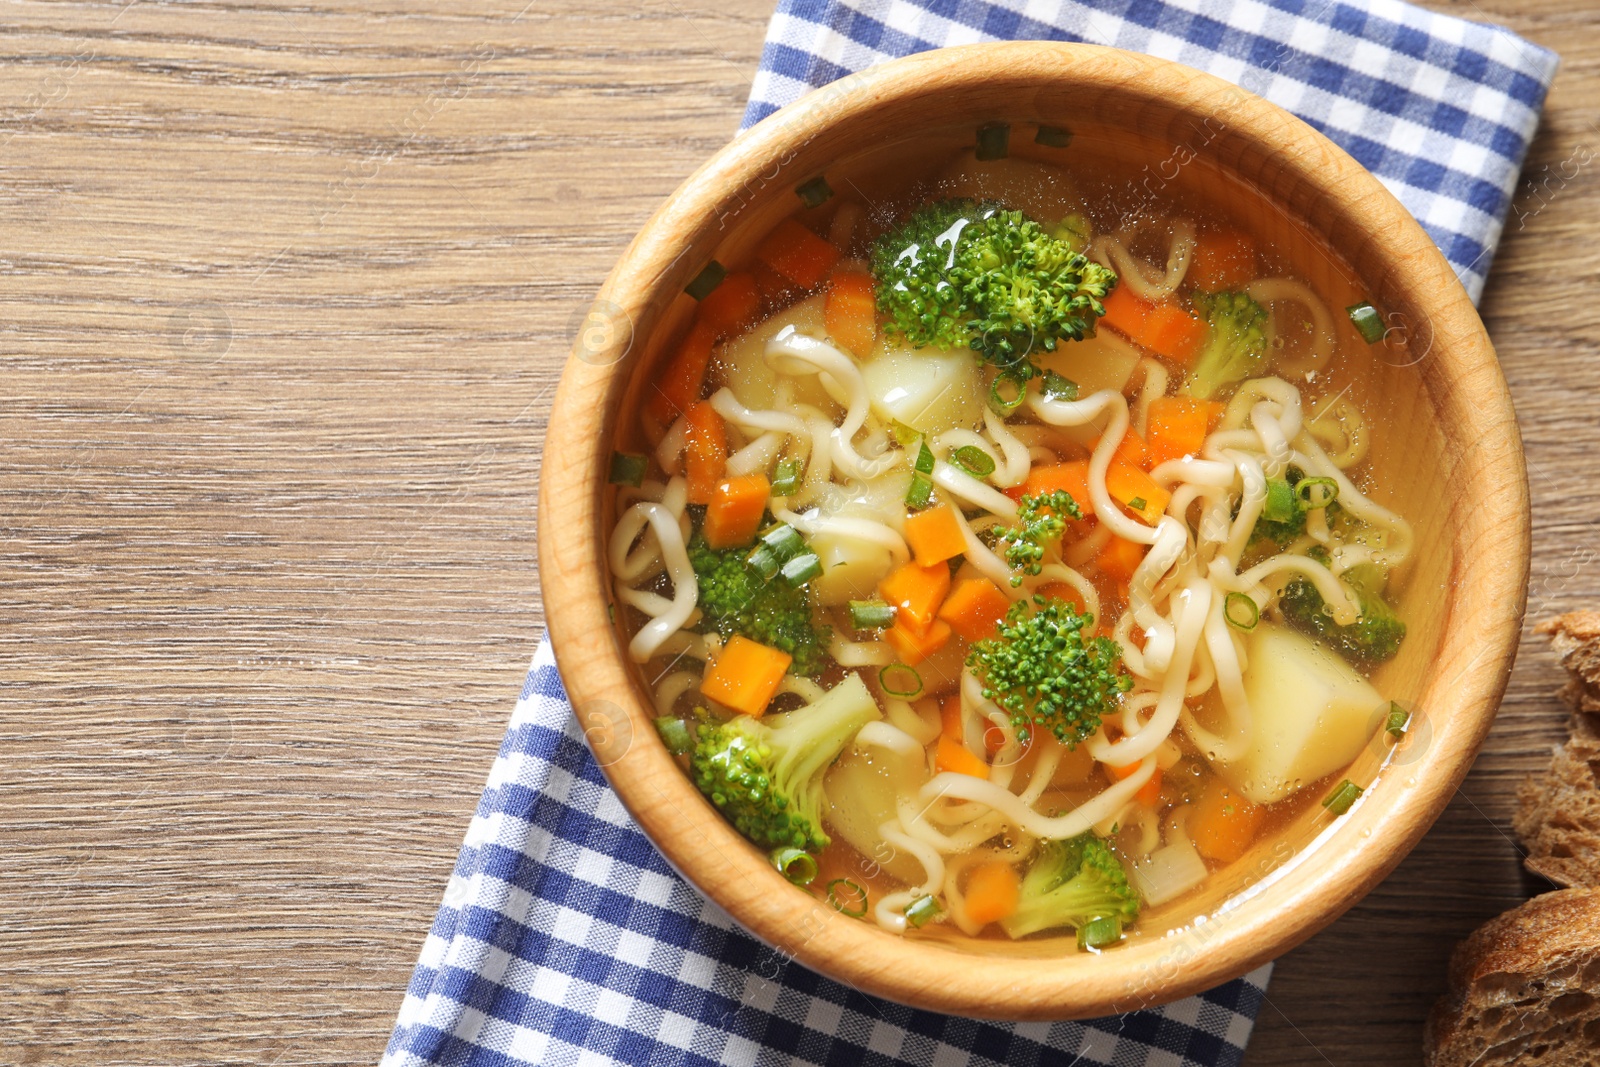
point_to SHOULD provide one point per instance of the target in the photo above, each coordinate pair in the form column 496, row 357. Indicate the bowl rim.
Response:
column 1489, row 568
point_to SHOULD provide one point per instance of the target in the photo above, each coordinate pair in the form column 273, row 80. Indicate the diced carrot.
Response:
column 776, row 290
column 735, row 511
column 952, row 755
column 950, row 716
column 1176, row 333
column 705, row 451
column 1222, row 259
column 915, row 592
column 731, row 306
column 797, row 254
column 993, row 890
column 1165, row 328
column 1178, row 426
column 851, row 312
column 679, row 382
column 974, row 608
column 1130, row 450
column 935, row 535
column 913, row 645
column 1149, row 793
column 1222, row 823
column 1120, row 558
column 1137, row 491
column 745, row 675
column 1072, row 477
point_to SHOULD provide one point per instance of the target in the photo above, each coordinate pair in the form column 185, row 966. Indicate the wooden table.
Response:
column 284, row 297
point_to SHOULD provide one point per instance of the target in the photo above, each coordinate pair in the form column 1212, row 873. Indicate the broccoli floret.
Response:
column 959, row 273
column 1283, row 515
column 1070, row 883
column 1039, row 521
column 766, row 775
column 1236, row 347
column 734, row 599
column 1040, row 669
column 1372, row 639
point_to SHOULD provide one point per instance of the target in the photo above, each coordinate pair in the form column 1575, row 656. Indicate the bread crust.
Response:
column 1524, row 989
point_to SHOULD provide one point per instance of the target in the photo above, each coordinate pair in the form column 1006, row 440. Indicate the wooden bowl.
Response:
column 1445, row 453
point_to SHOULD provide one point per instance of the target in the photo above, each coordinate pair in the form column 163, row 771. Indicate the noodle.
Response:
column 1111, row 252
column 797, row 353
column 1270, row 291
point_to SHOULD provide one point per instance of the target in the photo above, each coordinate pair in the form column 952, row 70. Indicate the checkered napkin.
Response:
column 565, row 938
column 1439, row 109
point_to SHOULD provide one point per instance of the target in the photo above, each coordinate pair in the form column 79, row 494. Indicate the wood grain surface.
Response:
column 283, row 296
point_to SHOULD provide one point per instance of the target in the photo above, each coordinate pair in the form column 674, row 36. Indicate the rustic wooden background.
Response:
column 283, row 297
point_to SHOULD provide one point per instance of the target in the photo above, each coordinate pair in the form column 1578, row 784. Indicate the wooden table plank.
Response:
column 283, row 294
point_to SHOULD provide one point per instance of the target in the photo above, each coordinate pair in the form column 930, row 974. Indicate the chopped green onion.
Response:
column 900, row 681
column 1058, row 387
column 1342, row 797
column 628, row 469
column 674, row 734
column 920, row 493
column 786, row 479
column 974, row 460
column 924, row 461
column 813, row 192
column 797, row 866
column 1280, row 503
column 1241, row 611
column 1138, row 503
column 1367, row 321
column 764, row 562
column 993, row 141
column 1099, row 933
column 871, row 614
column 904, row 435
column 847, row 898
column 1053, row 137
column 784, row 541
column 1317, row 492
column 920, row 911
column 1399, row 718
column 802, row 568
column 1073, row 231
column 706, row 280
column 1004, row 405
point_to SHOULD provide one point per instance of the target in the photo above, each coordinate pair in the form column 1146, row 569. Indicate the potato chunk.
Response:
column 863, row 790
column 927, row 389
column 1311, row 713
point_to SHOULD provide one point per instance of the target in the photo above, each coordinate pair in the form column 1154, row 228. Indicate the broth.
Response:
column 1141, row 223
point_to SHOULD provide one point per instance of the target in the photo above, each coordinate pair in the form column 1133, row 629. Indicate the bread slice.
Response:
column 1558, row 816
column 1576, row 638
column 1524, row 989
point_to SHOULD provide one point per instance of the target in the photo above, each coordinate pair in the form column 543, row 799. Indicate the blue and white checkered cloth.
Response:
column 1441, row 110
column 564, row 938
